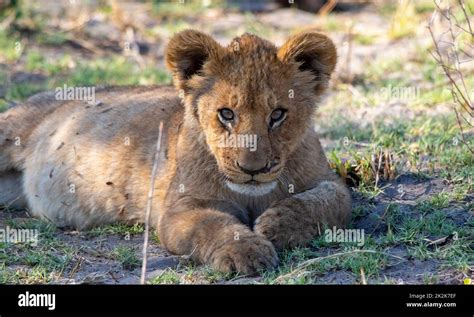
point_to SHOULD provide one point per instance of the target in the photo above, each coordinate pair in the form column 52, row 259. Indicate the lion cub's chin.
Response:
column 251, row 189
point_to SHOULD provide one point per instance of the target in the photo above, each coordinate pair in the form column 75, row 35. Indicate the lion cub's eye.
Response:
column 225, row 115
column 277, row 117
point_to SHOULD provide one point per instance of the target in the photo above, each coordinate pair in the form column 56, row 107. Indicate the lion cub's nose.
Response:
column 253, row 169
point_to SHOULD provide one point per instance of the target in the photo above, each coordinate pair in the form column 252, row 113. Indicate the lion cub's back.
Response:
column 90, row 164
column 138, row 110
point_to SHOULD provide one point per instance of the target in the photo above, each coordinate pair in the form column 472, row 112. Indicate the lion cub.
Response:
column 241, row 171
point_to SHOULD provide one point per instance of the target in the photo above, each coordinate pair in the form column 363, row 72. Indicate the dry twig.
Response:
column 148, row 207
column 451, row 62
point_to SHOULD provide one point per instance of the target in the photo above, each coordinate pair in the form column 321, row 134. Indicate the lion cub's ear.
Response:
column 314, row 52
column 187, row 53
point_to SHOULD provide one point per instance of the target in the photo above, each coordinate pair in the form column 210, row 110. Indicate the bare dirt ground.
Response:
column 93, row 260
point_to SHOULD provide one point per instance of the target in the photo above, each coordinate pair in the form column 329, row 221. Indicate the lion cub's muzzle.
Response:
column 252, row 170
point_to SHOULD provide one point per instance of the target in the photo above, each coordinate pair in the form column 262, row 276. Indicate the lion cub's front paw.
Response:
column 282, row 226
column 246, row 255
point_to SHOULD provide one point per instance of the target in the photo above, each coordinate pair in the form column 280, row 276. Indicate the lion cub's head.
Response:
column 252, row 101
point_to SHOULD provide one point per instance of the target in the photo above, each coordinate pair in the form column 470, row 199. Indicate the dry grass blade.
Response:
column 148, row 207
column 310, row 262
column 362, row 276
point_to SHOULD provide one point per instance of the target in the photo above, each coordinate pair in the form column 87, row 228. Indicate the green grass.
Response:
column 36, row 62
column 126, row 256
column 42, row 263
column 52, row 257
column 425, row 140
column 3, row 105
column 370, row 259
column 424, row 6
column 417, row 230
column 123, row 230
column 178, row 10
column 435, row 202
column 364, row 39
column 117, row 228
column 57, row 38
column 331, row 23
column 24, row 90
column 65, row 70
column 115, row 71
column 167, row 277
column 10, row 47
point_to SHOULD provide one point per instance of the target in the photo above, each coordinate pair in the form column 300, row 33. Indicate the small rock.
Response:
column 162, row 263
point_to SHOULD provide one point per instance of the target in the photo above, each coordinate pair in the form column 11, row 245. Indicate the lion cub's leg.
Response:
column 216, row 238
column 296, row 220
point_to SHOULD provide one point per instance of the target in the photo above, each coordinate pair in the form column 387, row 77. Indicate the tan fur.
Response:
column 85, row 165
